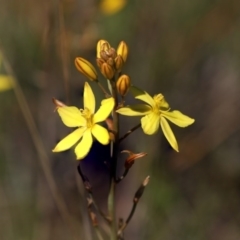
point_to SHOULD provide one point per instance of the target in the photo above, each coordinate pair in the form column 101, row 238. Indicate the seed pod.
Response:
column 86, row 68
column 122, row 50
column 123, row 85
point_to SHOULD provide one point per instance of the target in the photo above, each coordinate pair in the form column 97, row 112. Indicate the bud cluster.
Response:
column 109, row 60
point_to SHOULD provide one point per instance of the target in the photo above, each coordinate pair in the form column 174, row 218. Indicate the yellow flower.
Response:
column 109, row 7
column 87, row 122
column 6, row 82
column 157, row 112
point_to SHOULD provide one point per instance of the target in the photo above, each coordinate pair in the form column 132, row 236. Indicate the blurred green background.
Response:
column 187, row 50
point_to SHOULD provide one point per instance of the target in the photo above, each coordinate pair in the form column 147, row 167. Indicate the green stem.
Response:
column 114, row 154
column 115, row 128
column 111, row 209
column 107, row 95
column 99, row 235
column 129, row 132
column 120, row 231
column 123, row 176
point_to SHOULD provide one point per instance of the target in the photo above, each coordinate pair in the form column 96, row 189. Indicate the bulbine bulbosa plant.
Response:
column 154, row 111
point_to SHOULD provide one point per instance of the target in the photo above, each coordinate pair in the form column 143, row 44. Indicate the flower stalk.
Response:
column 136, row 198
column 113, row 167
column 155, row 113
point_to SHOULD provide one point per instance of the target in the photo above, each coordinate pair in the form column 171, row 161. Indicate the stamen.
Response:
column 88, row 116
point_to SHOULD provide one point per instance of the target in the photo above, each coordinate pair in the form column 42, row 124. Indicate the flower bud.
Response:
column 58, row 103
column 132, row 157
column 107, row 71
column 105, row 46
column 104, row 55
column 86, row 68
column 141, row 189
column 123, row 85
column 110, row 62
column 99, row 46
column 112, row 53
column 99, row 61
column 122, row 50
column 118, row 63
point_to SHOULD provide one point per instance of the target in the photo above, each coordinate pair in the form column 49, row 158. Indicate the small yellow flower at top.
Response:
column 86, row 121
column 110, row 7
column 156, row 112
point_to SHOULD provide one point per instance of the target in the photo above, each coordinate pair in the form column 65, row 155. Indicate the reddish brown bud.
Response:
column 111, row 62
column 112, row 53
column 104, row 55
column 132, row 157
column 99, row 61
column 107, row 71
column 118, row 63
column 123, row 84
column 58, row 103
column 141, row 189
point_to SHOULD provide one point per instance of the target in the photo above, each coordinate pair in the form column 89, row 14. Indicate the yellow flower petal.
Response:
column 178, row 118
column 88, row 98
column 169, row 134
column 71, row 116
column 69, row 140
column 135, row 110
column 101, row 134
column 142, row 95
column 99, row 46
column 84, row 146
column 122, row 50
column 150, row 123
column 103, row 112
column 5, row 82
